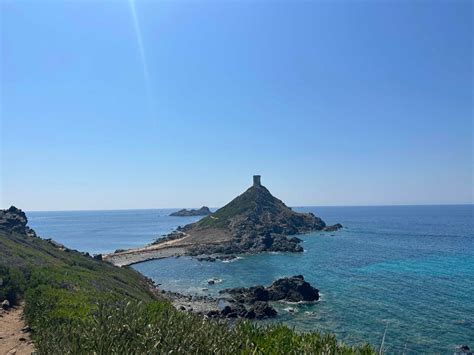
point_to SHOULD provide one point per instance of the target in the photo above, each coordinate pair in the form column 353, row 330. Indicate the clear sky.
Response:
column 332, row 102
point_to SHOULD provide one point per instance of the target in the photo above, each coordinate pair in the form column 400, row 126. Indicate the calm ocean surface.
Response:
column 407, row 269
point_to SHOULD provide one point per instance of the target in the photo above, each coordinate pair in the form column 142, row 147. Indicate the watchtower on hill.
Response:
column 256, row 180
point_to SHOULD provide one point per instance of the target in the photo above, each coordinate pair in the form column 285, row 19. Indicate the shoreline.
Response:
column 192, row 303
column 136, row 256
column 166, row 249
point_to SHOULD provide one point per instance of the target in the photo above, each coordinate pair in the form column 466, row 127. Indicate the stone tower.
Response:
column 256, row 180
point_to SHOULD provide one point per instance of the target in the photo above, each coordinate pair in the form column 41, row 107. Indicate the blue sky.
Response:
column 333, row 103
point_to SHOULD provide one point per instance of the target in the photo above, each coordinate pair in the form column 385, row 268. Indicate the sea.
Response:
column 404, row 274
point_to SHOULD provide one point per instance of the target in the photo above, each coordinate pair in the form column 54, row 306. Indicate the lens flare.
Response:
column 138, row 34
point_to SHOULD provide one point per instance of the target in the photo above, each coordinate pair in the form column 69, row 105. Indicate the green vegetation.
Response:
column 158, row 328
column 78, row 305
column 255, row 197
column 12, row 284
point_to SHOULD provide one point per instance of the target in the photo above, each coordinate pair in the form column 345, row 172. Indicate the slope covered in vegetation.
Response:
column 76, row 304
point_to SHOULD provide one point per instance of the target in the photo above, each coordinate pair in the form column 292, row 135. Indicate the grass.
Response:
column 137, row 328
column 78, row 305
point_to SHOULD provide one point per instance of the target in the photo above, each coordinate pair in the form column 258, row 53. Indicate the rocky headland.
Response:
column 203, row 211
column 253, row 222
column 14, row 220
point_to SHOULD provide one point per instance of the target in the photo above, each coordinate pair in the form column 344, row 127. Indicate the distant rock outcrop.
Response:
column 14, row 220
column 333, row 228
column 203, row 211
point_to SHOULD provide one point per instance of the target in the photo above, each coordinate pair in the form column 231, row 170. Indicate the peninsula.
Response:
column 253, row 222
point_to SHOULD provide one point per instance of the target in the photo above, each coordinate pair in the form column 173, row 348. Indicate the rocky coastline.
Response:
column 251, row 223
column 250, row 303
column 247, row 303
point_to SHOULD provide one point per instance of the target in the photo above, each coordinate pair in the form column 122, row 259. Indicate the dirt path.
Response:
column 13, row 339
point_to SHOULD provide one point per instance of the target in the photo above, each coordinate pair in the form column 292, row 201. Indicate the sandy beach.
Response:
column 166, row 249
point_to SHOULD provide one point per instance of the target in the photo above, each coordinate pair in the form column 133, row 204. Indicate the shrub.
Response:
column 12, row 285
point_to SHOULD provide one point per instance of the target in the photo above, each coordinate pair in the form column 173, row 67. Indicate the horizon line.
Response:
column 300, row 206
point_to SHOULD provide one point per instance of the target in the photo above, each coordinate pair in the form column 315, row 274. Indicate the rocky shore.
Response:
column 249, row 303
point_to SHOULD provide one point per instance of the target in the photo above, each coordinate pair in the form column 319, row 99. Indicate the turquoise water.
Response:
column 105, row 231
column 407, row 269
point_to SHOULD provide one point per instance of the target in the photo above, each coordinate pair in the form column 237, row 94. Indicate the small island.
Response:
column 203, row 211
column 253, row 222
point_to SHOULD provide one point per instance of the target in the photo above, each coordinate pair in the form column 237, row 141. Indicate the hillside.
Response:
column 58, row 264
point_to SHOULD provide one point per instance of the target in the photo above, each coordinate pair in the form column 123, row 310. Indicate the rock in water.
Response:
column 463, row 349
column 291, row 289
column 262, row 310
column 203, row 211
column 258, row 310
column 333, row 228
column 253, row 222
column 253, row 302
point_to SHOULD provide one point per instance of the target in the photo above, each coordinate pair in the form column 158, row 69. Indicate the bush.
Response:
column 137, row 328
column 12, row 284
